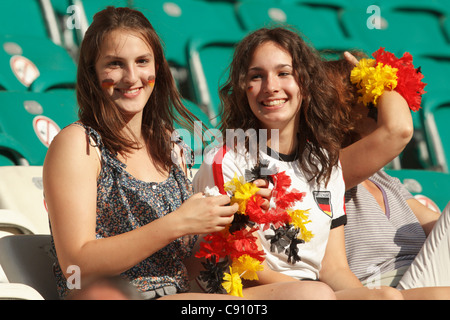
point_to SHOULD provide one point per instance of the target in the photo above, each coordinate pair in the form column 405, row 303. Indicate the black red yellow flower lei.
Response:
column 235, row 248
column 386, row 71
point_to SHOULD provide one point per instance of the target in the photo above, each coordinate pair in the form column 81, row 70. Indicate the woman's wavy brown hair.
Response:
column 320, row 127
column 339, row 72
column 98, row 111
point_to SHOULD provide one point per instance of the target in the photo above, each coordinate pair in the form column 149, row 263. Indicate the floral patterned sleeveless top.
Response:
column 125, row 203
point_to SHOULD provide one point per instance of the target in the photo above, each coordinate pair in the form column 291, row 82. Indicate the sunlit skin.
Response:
column 126, row 71
column 272, row 91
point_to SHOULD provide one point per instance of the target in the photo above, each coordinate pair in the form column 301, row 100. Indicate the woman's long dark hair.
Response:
column 98, row 111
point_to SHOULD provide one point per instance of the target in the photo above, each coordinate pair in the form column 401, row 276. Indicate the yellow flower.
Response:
column 299, row 219
column 362, row 70
column 242, row 192
column 373, row 79
column 232, row 283
column 247, row 267
column 234, row 183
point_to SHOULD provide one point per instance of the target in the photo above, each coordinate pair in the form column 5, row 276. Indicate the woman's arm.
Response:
column 427, row 217
column 335, row 270
column 70, row 183
column 393, row 132
column 336, row 273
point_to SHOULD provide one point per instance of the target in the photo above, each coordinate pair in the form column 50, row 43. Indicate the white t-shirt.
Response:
column 325, row 205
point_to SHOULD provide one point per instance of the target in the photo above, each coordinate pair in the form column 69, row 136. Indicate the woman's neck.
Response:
column 133, row 131
column 285, row 142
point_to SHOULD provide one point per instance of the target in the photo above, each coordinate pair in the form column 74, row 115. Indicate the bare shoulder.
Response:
column 71, row 148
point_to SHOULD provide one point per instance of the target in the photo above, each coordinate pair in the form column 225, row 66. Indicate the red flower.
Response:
column 213, row 244
column 254, row 211
column 244, row 242
column 281, row 181
column 409, row 82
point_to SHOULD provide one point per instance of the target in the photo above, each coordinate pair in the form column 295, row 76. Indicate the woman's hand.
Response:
column 350, row 58
column 264, row 192
column 200, row 215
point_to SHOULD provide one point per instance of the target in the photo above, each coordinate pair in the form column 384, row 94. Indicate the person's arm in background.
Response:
column 394, row 129
column 427, row 217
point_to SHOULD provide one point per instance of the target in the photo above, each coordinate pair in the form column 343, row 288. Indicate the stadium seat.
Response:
column 92, row 7
column 418, row 153
column 31, row 29
column 25, row 18
column 29, row 260
column 16, row 223
column 178, row 21
column 34, row 64
column 319, row 24
column 195, row 139
column 431, row 184
column 435, row 73
column 29, row 121
column 209, row 59
column 398, row 27
column 436, row 114
column 18, row 291
column 5, row 160
column 15, row 182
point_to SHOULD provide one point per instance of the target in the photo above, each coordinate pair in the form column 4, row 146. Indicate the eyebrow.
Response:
column 279, row 66
column 113, row 57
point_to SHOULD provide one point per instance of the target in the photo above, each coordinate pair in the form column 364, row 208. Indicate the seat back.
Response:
column 14, row 15
column 436, row 113
column 210, row 57
column 424, row 183
column 416, row 29
column 319, row 24
column 17, row 182
column 28, row 259
column 178, row 21
column 18, row 291
column 34, row 64
column 29, row 121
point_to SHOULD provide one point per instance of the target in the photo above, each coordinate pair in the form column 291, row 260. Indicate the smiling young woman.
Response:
column 117, row 203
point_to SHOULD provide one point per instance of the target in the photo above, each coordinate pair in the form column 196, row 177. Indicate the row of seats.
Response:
column 34, row 60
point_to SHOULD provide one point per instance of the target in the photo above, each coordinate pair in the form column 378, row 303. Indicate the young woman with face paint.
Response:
column 117, row 203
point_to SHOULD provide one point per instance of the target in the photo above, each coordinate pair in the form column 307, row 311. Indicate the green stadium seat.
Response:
column 436, row 115
column 209, row 60
column 319, row 24
column 195, row 139
column 24, row 18
column 435, row 73
column 34, row 64
column 29, row 121
column 414, row 28
column 5, row 160
column 178, row 21
column 92, row 7
column 432, row 184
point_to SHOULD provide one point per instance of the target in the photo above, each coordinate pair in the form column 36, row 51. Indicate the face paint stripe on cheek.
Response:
column 249, row 89
column 107, row 83
column 151, row 81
